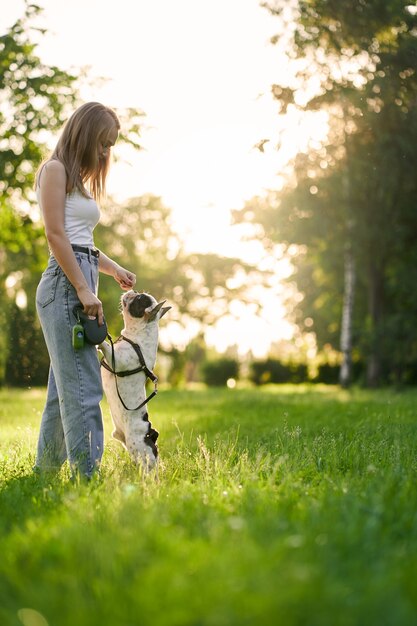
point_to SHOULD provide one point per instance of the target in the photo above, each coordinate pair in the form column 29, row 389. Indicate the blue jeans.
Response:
column 72, row 425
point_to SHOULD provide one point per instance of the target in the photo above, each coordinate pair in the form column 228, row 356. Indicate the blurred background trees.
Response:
column 350, row 202
column 35, row 100
column 348, row 207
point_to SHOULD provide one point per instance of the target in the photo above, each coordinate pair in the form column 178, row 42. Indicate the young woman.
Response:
column 68, row 185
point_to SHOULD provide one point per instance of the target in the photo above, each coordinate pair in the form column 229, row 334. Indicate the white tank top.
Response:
column 81, row 216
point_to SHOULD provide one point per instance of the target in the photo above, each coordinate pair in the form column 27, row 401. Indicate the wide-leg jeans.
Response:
column 72, row 425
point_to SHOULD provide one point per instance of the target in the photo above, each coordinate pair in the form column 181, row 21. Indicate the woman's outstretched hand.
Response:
column 126, row 279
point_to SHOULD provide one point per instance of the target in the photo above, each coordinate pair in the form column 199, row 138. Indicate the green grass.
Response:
column 286, row 505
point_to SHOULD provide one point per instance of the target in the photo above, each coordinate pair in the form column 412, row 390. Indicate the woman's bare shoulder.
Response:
column 52, row 171
column 53, row 166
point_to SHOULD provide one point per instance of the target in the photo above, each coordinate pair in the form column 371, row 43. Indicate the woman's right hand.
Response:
column 92, row 305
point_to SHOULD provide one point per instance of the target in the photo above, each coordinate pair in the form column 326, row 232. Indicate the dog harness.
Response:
column 142, row 368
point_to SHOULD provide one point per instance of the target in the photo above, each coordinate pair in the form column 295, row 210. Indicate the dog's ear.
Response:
column 164, row 310
column 156, row 309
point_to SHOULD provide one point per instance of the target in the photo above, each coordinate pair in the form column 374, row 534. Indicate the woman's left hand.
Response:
column 126, row 279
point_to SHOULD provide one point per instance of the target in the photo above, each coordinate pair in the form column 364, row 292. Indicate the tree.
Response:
column 139, row 233
column 349, row 203
column 35, row 100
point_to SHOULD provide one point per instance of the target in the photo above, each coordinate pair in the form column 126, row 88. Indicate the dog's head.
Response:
column 142, row 306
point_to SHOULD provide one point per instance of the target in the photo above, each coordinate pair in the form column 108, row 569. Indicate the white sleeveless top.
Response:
column 81, row 216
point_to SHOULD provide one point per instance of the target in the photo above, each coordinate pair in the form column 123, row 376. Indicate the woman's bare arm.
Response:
column 125, row 278
column 52, row 193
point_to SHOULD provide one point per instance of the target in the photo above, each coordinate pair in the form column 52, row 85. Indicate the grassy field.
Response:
column 292, row 506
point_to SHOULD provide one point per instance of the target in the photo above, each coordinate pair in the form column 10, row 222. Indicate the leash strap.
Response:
column 120, row 374
column 143, row 368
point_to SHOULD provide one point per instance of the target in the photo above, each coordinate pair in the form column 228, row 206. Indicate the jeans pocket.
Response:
column 45, row 293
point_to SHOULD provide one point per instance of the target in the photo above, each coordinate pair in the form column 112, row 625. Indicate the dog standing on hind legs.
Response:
column 125, row 368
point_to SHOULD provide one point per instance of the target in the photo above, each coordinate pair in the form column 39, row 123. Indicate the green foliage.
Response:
column 290, row 505
column 35, row 98
column 139, row 235
column 22, row 258
column 328, row 373
column 27, row 362
column 357, row 191
column 35, row 101
column 217, row 372
column 274, row 371
column 195, row 355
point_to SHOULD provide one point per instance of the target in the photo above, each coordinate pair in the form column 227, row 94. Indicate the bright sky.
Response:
column 202, row 73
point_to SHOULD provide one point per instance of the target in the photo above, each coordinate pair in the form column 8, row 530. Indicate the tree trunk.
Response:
column 375, row 305
column 345, row 376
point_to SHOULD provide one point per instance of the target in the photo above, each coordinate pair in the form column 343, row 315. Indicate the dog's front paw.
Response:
column 105, row 348
column 143, row 453
column 150, row 440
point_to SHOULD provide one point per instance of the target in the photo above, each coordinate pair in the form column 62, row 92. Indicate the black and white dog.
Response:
column 126, row 366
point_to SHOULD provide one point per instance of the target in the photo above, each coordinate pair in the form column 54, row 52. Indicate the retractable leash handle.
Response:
column 87, row 330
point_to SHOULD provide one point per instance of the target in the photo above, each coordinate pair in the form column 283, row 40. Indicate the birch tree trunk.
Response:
column 349, row 282
column 345, row 376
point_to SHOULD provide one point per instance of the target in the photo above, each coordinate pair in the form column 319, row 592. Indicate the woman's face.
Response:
column 105, row 146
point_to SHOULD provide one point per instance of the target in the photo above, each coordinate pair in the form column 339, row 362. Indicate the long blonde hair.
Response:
column 77, row 148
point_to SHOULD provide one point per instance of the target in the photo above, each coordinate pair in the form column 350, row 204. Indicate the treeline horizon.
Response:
column 348, row 204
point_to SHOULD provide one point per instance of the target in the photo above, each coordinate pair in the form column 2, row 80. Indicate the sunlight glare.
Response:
column 202, row 72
